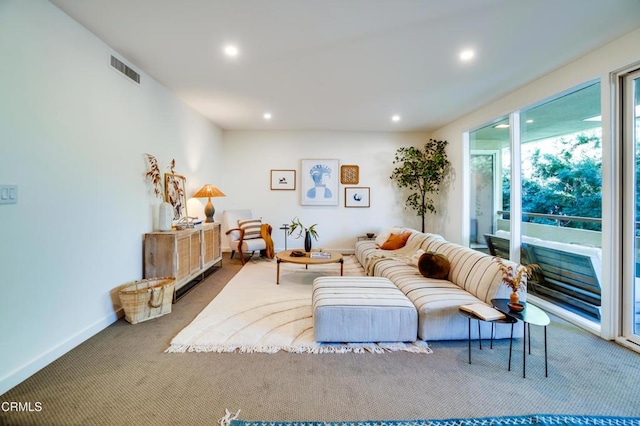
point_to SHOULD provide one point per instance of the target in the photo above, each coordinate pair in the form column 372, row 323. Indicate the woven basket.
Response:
column 147, row 299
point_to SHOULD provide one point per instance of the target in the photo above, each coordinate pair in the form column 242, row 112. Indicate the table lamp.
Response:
column 209, row 191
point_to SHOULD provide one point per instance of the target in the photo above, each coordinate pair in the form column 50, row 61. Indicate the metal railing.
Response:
column 555, row 217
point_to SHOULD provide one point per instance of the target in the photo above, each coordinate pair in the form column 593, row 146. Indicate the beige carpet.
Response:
column 254, row 314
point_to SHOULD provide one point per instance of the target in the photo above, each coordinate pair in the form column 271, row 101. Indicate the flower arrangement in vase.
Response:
column 165, row 210
column 308, row 232
column 513, row 277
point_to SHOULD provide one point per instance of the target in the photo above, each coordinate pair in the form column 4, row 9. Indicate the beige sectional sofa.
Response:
column 473, row 277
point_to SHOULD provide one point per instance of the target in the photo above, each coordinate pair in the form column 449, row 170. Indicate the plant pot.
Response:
column 307, row 241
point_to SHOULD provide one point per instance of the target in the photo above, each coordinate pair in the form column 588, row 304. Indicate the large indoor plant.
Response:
column 308, row 232
column 421, row 171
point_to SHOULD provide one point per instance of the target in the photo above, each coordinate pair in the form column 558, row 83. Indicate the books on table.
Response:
column 320, row 255
column 484, row 312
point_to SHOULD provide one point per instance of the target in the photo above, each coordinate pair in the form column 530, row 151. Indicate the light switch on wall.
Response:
column 8, row 194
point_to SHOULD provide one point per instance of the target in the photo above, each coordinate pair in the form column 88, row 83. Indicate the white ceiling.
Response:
column 349, row 64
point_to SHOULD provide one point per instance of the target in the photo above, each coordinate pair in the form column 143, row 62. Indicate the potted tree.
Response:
column 421, row 171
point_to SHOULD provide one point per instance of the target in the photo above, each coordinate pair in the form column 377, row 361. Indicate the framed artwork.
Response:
column 175, row 194
column 349, row 174
column 283, row 179
column 355, row 196
column 320, row 182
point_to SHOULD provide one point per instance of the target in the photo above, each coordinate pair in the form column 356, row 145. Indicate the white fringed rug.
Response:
column 254, row 314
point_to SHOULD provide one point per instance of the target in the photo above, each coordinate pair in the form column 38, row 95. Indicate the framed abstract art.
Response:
column 320, row 182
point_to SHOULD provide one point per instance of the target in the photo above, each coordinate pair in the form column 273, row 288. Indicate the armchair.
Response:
column 240, row 238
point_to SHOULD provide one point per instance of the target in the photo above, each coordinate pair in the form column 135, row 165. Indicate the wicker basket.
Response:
column 147, row 299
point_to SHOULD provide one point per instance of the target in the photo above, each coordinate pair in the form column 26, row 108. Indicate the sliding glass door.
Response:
column 631, row 206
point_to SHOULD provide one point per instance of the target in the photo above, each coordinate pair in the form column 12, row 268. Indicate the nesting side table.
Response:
column 530, row 315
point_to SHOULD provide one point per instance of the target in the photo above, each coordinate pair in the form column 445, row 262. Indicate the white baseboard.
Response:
column 31, row 367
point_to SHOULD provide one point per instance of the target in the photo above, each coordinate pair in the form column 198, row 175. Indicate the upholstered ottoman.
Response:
column 362, row 309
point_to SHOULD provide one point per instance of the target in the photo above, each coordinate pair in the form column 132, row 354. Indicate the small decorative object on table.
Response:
column 513, row 277
column 308, row 232
column 515, row 307
column 370, row 234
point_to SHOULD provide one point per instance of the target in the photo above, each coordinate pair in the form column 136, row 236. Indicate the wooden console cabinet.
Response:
column 184, row 254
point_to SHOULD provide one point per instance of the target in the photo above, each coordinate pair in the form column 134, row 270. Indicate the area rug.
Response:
column 534, row 419
column 254, row 314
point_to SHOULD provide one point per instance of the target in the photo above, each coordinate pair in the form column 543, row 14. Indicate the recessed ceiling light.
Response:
column 467, row 55
column 501, row 126
column 267, row 116
column 395, row 118
column 231, row 51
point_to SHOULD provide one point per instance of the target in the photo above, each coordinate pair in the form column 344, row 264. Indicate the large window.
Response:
column 559, row 190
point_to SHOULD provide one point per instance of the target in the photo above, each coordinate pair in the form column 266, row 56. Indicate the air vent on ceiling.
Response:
column 120, row 66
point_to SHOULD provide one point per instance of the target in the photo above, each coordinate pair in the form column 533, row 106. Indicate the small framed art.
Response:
column 356, row 196
column 283, row 180
column 175, row 194
column 349, row 174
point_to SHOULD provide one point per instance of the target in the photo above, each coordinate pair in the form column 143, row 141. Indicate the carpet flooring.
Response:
column 123, row 376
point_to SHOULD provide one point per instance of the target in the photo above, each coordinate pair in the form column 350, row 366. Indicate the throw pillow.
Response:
column 385, row 234
column 251, row 228
column 396, row 241
column 434, row 265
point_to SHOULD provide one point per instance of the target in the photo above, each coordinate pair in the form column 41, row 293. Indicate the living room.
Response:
column 77, row 131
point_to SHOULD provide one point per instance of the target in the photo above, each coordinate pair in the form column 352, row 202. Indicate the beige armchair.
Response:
column 243, row 233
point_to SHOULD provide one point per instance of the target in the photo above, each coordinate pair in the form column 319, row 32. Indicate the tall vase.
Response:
column 307, row 241
column 165, row 216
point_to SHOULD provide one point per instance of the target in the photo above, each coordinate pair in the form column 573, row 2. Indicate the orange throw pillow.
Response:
column 396, row 241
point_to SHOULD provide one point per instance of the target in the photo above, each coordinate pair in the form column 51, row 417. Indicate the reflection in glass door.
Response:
column 631, row 265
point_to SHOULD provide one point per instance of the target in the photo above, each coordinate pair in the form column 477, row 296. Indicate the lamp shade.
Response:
column 208, row 191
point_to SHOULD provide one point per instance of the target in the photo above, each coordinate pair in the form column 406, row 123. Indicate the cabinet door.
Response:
column 209, row 245
column 183, row 256
column 195, row 255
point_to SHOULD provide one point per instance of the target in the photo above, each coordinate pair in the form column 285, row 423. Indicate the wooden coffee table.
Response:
column 285, row 256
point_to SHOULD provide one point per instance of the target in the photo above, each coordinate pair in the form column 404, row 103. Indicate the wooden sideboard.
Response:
column 186, row 254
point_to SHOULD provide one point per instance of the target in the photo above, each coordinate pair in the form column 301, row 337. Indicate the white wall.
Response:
column 250, row 155
column 72, row 137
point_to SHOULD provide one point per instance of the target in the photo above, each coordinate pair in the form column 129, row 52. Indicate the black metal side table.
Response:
column 506, row 320
column 530, row 315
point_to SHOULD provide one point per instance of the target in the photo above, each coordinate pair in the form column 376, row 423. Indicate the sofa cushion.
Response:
column 434, row 265
column 396, row 241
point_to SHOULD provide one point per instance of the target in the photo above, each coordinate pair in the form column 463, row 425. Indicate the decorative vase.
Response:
column 165, row 216
column 514, row 298
column 307, row 241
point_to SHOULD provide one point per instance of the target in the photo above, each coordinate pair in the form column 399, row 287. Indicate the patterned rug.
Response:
column 254, row 314
column 537, row 419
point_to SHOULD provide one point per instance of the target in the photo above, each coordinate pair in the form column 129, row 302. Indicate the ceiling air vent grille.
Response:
column 120, row 66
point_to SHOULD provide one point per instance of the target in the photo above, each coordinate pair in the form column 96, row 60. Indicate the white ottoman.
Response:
column 362, row 309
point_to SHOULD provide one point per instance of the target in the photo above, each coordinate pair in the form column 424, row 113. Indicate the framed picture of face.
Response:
column 283, row 180
column 356, row 196
column 320, row 181
column 175, row 194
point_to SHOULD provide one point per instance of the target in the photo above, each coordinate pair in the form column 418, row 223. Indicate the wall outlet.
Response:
column 8, row 194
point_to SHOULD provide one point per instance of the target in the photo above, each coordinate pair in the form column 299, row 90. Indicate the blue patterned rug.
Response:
column 537, row 419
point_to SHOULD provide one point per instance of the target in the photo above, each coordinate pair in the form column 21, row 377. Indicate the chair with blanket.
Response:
column 247, row 234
